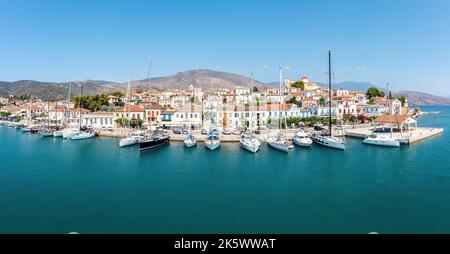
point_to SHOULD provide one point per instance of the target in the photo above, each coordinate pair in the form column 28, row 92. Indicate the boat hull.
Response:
column 212, row 146
column 69, row 134
column 189, row 144
column 304, row 142
column 328, row 143
column 280, row 147
column 382, row 143
column 58, row 134
column 83, row 136
column 128, row 142
column 152, row 144
column 26, row 129
column 251, row 148
column 46, row 134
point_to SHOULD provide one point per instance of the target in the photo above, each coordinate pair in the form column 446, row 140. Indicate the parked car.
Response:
column 175, row 131
column 204, row 132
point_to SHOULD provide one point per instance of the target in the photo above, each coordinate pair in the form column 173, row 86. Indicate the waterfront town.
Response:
column 300, row 102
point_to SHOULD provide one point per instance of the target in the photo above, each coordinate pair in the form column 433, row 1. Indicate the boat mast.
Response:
column 56, row 112
column 48, row 112
column 68, row 99
column 29, row 108
column 388, row 95
column 150, row 60
column 279, row 106
column 129, row 100
column 329, row 92
column 251, row 99
column 79, row 103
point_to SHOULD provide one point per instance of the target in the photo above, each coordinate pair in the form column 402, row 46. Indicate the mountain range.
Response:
column 203, row 78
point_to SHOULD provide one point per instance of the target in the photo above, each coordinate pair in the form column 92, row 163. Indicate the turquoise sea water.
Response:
column 57, row 186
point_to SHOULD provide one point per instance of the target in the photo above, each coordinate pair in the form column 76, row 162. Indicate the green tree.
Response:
column 92, row 102
column 299, row 84
column 321, row 101
column 255, row 89
column 136, row 123
column 402, row 99
column 294, row 100
column 139, row 90
column 372, row 92
column 121, row 122
column 5, row 114
column 117, row 94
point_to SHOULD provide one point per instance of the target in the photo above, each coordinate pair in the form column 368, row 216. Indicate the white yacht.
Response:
column 190, row 141
column 278, row 139
column 83, row 135
column 326, row 138
column 129, row 141
column 382, row 140
column 46, row 133
column 280, row 142
column 302, row 139
column 250, row 143
column 58, row 134
column 212, row 141
column 328, row 141
column 70, row 132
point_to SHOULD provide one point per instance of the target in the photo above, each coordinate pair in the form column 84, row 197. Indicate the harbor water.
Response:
column 52, row 185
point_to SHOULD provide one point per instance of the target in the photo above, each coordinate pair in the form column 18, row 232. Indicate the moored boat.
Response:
column 83, row 135
column 58, row 134
column 324, row 138
column 280, row 143
column 328, row 141
column 250, row 143
column 129, row 141
column 381, row 140
column 154, row 140
column 302, row 138
column 212, row 141
column 190, row 141
column 46, row 133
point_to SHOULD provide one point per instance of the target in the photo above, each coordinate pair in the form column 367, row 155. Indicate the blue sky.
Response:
column 404, row 42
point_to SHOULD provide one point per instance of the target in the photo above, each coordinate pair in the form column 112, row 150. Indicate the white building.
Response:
column 99, row 120
column 188, row 115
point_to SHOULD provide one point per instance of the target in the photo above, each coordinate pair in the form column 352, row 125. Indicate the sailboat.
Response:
column 130, row 140
column 28, row 127
column 324, row 138
column 248, row 140
column 302, row 138
column 47, row 131
column 82, row 134
column 382, row 139
column 70, row 131
column 190, row 140
column 212, row 141
column 157, row 138
column 58, row 133
column 279, row 140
